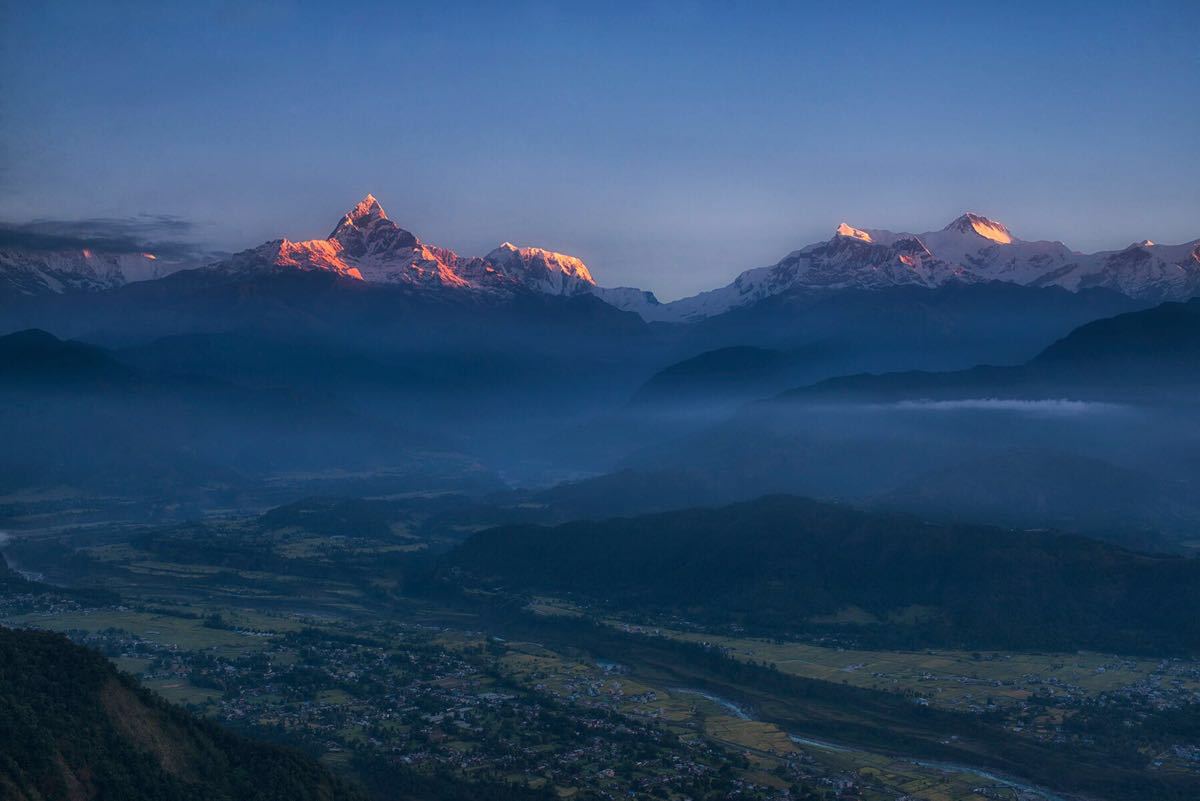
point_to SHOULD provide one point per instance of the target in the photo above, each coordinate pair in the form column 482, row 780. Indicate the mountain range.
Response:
column 366, row 246
column 34, row 272
column 371, row 359
column 971, row 249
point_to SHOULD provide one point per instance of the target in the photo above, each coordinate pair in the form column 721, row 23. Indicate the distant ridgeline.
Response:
column 1150, row 355
column 783, row 565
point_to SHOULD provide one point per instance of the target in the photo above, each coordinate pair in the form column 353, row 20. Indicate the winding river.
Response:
column 825, row 745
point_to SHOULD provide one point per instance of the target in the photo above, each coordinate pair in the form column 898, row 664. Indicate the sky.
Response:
column 668, row 144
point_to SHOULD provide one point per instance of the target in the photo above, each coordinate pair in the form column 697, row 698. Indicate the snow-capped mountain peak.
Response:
column 366, row 231
column 363, row 217
column 367, row 208
column 852, row 232
column 978, row 224
column 541, row 261
column 366, row 245
column 972, row 248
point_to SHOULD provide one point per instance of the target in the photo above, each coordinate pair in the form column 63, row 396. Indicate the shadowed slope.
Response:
column 72, row 727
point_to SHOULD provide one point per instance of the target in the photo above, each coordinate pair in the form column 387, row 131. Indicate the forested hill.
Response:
column 787, row 565
column 72, row 727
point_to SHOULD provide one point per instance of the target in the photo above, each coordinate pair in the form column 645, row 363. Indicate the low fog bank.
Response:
column 1089, row 434
column 1052, row 407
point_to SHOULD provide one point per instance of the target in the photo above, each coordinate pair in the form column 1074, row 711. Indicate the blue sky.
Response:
column 669, row 144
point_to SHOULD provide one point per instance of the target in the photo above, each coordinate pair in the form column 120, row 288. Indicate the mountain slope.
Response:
column 714, row 376
column 851, row 331
column 783, row 564
column 908, row 327
column 35, row 272
column 1164, row 338
column 72, row 727
column 1153, row 354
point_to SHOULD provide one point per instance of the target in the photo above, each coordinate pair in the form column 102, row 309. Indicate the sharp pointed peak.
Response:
column 368, row 207
column 366, row 219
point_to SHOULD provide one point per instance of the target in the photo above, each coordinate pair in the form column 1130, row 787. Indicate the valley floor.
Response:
column 296, row 626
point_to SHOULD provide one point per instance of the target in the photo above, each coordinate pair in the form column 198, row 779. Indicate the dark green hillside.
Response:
column 72, row 727
column 1165, row 339
column 787, row 565
column 35, row 357
column 734, row 371
column 333, row 517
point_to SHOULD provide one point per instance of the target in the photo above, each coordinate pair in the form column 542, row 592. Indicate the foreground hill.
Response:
column 787, row 565
column 72, row 727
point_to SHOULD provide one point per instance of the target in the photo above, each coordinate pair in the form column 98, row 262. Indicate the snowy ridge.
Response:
column 40, row 272
column 542, row 270
column 971, row 249
column 367, row 246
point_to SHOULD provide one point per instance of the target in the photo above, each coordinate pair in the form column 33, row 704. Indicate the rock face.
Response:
column 77, row 728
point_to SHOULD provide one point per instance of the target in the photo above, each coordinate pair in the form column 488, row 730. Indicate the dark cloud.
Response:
column 164, row 235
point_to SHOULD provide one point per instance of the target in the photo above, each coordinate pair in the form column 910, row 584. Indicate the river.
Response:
column 826, row 745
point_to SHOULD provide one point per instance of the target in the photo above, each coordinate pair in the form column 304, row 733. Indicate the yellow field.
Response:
column 766, row 745
column 947, row 678
column 187, row 633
